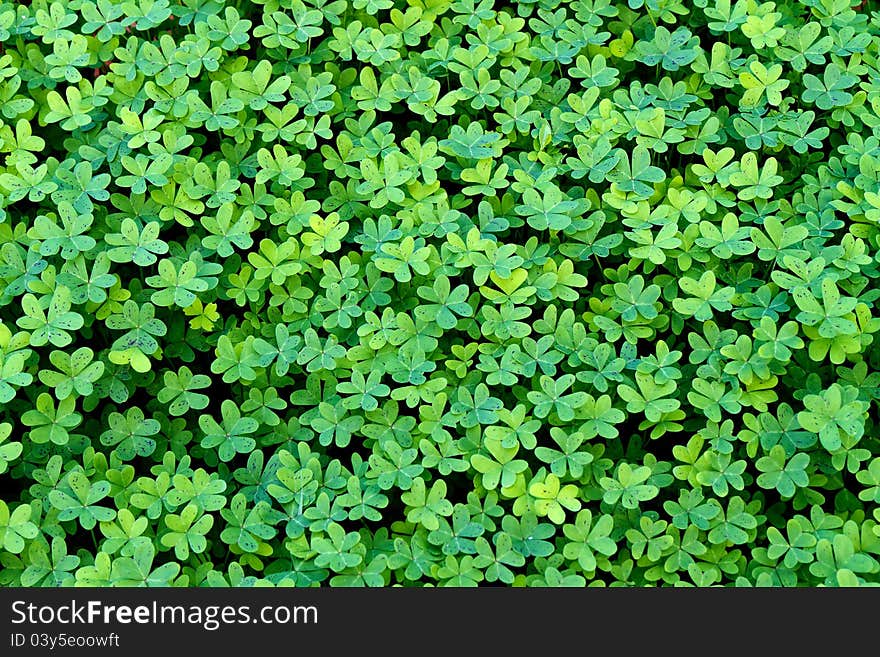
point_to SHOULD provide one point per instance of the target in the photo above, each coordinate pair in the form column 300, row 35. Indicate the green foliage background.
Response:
column 374, row 292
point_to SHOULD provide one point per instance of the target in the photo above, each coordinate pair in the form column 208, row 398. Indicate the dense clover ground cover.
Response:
column 434, row 292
